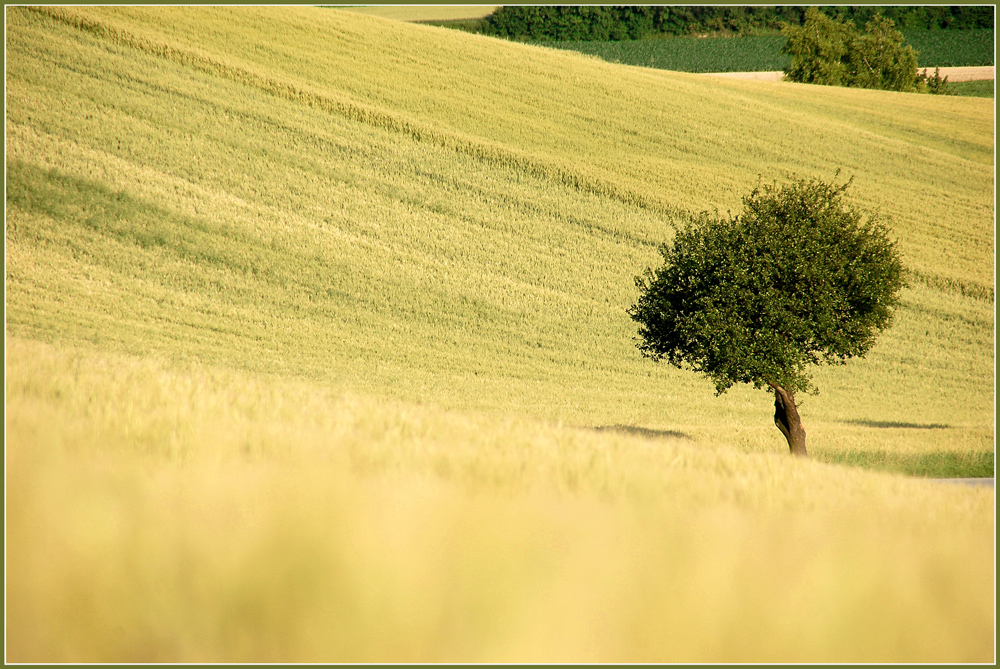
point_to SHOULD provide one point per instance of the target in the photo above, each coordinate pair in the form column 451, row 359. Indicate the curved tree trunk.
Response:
column 786, row 417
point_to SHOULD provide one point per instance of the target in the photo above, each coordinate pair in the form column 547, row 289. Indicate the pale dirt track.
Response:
column 953, row 74
column 986, row 482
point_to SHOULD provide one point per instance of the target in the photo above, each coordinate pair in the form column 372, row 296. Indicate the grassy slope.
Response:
column 980, row 89
column 328, row 205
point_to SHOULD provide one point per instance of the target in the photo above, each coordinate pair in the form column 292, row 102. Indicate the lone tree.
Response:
column 798, row 279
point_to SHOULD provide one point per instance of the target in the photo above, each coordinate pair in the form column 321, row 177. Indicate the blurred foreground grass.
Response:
column 158, row 512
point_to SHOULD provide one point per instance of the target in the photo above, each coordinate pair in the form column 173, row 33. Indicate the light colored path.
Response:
column 965, row 73
column 953, row 74
column 985, row 482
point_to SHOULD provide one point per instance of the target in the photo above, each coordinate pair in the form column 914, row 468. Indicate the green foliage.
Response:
column 934, row 84
column 798, row 279
column 592, row 23
column 878, row 58
column 919, row 18
column 831, row 52
column 818, row 49
column 575, row 23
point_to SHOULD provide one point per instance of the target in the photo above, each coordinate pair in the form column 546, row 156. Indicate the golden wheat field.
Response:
column 424, row 12
column 317, row 350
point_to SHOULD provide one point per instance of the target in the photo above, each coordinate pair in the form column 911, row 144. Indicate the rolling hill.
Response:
column 276, row 270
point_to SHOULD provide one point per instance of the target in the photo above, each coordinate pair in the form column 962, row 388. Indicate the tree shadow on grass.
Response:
column 649, row 433
column 897, row 424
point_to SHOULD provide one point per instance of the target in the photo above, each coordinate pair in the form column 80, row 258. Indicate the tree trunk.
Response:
column 786, row 417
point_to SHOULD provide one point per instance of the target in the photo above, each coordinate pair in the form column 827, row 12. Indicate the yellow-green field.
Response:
column 425, row 12
column 317, row 350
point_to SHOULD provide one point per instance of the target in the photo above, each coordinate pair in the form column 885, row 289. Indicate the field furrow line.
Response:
column 489, row 152
column 953, row 286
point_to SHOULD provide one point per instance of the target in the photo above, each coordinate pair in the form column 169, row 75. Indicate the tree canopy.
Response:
column 828, row 51
column 797, row 279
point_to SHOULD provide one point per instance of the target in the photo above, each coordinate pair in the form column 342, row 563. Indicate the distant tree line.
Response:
column 598, row 23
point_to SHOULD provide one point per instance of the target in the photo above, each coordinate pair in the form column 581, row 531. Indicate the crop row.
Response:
column 762, row 53
column 952, row 48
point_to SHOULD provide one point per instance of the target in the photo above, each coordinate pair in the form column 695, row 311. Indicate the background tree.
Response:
column 798, row 279
column 934, row 84
column 825, row 50
column 818, row 49
column 878, row 58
